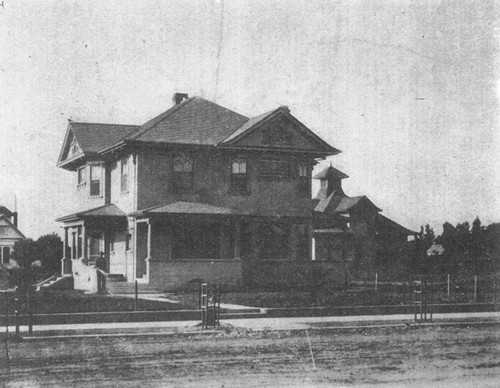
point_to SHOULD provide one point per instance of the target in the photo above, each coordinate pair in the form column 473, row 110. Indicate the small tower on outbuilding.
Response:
column 331, row 180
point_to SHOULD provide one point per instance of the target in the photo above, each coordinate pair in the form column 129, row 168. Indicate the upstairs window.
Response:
column 274, row 168
column 95, row 180
column 239, row 177
column 182, row 174
column 82, row 177
column 124, row 176
column 304, row 188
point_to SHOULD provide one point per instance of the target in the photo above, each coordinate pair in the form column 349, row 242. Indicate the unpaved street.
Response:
column 432, row 356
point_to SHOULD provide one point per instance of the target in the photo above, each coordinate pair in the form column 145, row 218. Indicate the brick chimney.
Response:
column 179, row 97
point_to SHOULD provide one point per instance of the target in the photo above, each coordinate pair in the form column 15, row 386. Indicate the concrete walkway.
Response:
column 256, row 324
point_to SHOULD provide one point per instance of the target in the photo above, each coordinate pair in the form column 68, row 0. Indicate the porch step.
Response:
column 59, row 282
column 123, row 287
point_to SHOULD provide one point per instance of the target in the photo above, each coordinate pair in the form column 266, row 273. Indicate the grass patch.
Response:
column 51, row 302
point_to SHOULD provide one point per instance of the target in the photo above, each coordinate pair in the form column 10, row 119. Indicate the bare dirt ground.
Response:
column 409, row 357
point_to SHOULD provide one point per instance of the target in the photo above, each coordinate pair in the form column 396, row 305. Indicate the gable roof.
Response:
column 92, row 138
column 391, row 224
column 256, row 122
column 193, row 121
column 338, row 202
column 5, row 211
column 4, row 221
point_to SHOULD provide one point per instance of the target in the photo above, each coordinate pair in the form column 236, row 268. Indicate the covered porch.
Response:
column 87, row 235
column 184, row 242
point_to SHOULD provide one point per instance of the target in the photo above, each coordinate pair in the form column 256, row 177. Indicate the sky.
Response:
column 408, row 90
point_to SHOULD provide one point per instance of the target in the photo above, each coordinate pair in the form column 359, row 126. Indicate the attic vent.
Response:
column 179, row 97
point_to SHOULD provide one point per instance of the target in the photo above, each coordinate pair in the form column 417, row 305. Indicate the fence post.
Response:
column 16, row 309
column 136, row 295
column 376, row 282
column 30, row 313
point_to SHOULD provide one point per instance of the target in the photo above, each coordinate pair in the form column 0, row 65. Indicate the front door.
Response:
column 96, row 246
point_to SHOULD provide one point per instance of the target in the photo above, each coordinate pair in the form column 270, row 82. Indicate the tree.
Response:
column 50, row 252
column 37, row 259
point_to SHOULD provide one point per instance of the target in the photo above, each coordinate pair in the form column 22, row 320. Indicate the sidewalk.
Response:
column 256, row 324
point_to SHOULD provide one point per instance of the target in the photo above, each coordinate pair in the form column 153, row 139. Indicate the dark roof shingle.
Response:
column 194, row 121
column 93, row 137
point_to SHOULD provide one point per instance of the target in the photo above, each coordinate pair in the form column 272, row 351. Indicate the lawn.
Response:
column 77, row 302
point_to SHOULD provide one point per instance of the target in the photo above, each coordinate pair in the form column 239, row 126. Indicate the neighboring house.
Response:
column 9, row 234
column 198, row 192
column 351, row 231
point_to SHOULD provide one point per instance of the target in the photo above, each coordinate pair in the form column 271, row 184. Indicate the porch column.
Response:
column 309, row 242
column 237, row 237
column 84, row 242
column 148, row 255
column 224, row 242
column 73, row 245
column 148, row 249
column 65, row 262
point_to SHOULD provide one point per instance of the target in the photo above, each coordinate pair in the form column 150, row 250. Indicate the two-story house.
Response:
column 198, row 192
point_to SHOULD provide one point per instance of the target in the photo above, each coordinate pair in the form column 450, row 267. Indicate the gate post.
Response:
column 16, row 309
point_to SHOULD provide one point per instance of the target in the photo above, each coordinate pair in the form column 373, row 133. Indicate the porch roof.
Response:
column 106, row 211
column 188, row 208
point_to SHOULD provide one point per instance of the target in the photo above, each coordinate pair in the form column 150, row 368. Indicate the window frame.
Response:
column 100, row 180
column 124, row 173
column 240, row 181
column 303, row 180
column 179, row 178
column 81, row 180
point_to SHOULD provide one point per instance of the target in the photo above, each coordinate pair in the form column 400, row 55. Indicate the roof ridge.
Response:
column 155, row 120
column 12, row 225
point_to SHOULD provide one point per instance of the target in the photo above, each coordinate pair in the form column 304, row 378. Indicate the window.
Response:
column 95, row 180
column 5, row 253
column 239, row 177
column 182, row 174
column 82, row 177
column 124, row 176
column 128, row 237
column 273, row 168
column 304, row 190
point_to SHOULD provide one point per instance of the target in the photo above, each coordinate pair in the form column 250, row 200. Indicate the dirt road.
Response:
column 408, row 356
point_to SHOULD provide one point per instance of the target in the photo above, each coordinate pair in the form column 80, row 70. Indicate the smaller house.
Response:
column 351, row 231
column 435, row 250
column 9, row 234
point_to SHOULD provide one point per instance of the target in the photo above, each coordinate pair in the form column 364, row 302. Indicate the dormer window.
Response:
column 239, row 177
column 124, row 175
column 183, row 174
column 95, row 180
column 304, row 189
